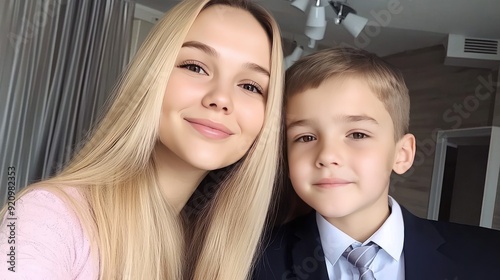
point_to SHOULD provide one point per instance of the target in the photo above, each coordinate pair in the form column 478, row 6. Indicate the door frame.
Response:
column 453, row 138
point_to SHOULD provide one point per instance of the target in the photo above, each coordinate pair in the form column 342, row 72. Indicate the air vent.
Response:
column 472, row 52
column 481, row 46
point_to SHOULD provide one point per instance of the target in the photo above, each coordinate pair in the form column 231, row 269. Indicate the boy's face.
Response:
column 341, row 150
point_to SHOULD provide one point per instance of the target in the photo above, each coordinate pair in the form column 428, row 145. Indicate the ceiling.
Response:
column 394, row 25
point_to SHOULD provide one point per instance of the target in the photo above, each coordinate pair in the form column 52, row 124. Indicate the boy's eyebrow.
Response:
column 344, row 118
column 297, row 123
column 213, row 52
column 358, row 118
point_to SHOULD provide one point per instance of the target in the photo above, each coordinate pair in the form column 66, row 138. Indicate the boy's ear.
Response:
column 405, row 153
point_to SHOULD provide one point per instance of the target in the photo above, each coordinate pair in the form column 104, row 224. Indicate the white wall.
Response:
column 144, row 19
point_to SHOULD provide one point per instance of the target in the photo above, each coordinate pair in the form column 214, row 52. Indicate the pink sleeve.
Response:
column 42, row 239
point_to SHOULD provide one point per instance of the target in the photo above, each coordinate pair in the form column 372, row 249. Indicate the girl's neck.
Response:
column 178, row 180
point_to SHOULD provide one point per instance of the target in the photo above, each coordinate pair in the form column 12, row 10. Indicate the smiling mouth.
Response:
column 331, row 183
column 210, row 129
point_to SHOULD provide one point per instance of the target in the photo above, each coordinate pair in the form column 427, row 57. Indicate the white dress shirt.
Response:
column 389, row 261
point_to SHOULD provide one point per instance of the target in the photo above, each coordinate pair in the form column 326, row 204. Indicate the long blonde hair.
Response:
column 137, row 234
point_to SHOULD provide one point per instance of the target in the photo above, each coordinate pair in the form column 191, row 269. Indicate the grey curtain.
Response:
column 59, row 60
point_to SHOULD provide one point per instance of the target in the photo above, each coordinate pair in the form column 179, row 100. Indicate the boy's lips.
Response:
column 331, row 182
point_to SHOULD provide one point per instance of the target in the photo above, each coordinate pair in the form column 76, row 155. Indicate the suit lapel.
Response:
column 307, row 253
column 423, row 260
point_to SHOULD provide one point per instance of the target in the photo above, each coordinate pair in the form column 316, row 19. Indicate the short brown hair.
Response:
column 384, row 80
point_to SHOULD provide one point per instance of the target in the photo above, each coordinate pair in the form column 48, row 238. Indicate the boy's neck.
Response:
column 363, row 224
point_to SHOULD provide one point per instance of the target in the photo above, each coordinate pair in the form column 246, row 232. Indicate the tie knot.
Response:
column 361, row 256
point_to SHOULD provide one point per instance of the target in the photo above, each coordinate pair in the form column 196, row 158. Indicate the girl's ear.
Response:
column 405, row 153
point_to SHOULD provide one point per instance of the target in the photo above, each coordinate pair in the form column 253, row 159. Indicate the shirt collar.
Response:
column 333, row 240
column 390, row 236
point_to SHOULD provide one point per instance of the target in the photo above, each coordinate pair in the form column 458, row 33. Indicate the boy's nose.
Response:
column 327, row 156
column 219, row 98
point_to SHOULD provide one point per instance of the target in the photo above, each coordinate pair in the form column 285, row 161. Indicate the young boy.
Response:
column 347, row 116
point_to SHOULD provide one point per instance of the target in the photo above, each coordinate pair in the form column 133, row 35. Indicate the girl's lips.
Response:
column 210, row 129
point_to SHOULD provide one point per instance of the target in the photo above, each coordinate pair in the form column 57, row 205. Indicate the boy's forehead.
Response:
column 349, row 96
column 334, row 83
column 347, row 88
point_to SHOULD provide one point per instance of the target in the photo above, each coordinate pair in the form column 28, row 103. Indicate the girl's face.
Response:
column 214, row 104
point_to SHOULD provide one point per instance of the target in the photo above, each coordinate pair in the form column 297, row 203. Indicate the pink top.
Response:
column 43, row 239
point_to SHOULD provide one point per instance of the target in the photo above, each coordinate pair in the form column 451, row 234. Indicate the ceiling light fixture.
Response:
column 348, row 18
column 316, row 33
column 311, row 44
column 300, row 4
column 317, row 17
column 294, row 56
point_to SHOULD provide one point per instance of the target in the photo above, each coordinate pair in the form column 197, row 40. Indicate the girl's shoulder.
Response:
column 44, row 235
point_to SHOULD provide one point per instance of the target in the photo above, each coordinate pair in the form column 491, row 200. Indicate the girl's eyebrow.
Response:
column 257, row 68
column 213, row 52
column 202, row 47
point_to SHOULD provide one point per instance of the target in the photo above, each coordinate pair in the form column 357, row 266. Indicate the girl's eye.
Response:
column 252, row 87
column 194, row 68
column 305, row 138
column 358, row 135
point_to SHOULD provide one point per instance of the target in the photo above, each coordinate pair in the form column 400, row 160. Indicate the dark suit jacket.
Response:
column 432, row 250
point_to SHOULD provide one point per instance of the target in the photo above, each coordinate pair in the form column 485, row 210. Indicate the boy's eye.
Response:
column 252, row 87
column 305, row 138
column 358, row 135
column 193, row 68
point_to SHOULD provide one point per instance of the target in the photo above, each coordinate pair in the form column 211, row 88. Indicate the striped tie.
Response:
column 361, row 257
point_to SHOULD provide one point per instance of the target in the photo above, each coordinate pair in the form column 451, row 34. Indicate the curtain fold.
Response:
column 59, row 61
